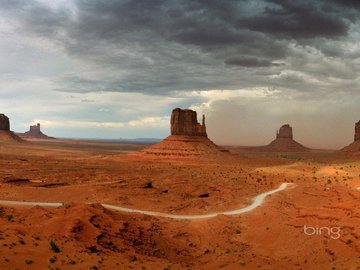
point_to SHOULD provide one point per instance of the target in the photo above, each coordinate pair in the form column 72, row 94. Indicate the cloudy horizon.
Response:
column 116, row 69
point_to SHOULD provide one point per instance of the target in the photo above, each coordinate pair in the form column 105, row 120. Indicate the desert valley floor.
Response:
column 82, row 234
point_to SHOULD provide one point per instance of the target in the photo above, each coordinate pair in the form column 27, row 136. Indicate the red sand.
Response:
column 90, row 237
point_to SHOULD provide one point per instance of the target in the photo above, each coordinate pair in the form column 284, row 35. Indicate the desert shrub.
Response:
column 54, row 247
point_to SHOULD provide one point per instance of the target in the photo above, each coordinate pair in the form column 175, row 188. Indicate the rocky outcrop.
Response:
column 35, row 129
column 285, row 132
column 188, row 138
column 34, row 133
column 354, row 147
column 283, row 142
column 5, row 134
column 4, row 122
column 184, row 122
column 357, row 131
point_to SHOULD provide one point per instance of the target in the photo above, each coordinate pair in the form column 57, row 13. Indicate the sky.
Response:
column 116, row 69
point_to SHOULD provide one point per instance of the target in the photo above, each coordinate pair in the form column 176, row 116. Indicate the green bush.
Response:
column 54, row 247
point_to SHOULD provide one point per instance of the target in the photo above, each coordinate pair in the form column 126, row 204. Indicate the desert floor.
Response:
column 83, row 235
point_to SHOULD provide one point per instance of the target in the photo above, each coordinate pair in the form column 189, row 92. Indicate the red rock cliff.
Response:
column 357, row 131
column 4, row 122
column 285, row 132
column 184, row 122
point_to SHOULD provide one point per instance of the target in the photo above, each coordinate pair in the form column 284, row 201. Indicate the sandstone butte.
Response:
column 355, row 145
column 6, row 135
column 284, row 142
column 188, row 137
column 34, row 133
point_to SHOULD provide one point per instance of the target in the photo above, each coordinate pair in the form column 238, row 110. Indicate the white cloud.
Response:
column 210, row 96
column 296, row 77
column 145, row 122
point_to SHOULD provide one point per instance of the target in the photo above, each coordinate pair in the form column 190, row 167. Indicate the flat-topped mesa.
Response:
column 184, row 122
column 357, row 131
column 285, row 132
column 4, row 122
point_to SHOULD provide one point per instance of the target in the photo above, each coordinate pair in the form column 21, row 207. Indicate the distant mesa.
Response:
column 355, row 145
column 6, row 135
column 284, row 142
column 188, row 137
column 34, row 133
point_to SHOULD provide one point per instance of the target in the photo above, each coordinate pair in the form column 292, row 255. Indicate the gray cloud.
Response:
column 305, row 49
column 165, row 46
column 348, row 3
column 163, row 40
column 297, row 19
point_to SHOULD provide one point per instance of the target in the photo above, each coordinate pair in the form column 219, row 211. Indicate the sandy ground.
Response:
column 85, row 173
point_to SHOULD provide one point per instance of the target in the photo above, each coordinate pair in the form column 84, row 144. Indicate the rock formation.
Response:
column 284, row 132
column 184, row 122
column 283, row 142
column 355, row 145
column 188, row 138
column 4, row 122
column 34, row 133
column 35, row 129
column 5, row 134
column 357, row 131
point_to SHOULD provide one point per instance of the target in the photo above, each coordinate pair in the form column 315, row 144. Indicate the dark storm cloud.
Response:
column 348, row 3
column 203, row 23
column 162, row 46
column 295, row 19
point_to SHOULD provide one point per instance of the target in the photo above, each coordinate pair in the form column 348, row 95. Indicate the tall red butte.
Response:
column 5, row 134
column 284, row 142
column 184, row 122
column 355, row 145
column 4, row 123
column 188, row 137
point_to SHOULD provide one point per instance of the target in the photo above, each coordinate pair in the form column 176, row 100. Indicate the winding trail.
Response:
column 257, row 201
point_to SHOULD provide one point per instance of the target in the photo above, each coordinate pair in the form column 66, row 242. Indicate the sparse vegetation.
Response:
column 230, row 186
column 53, row 259
column 54, row 247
